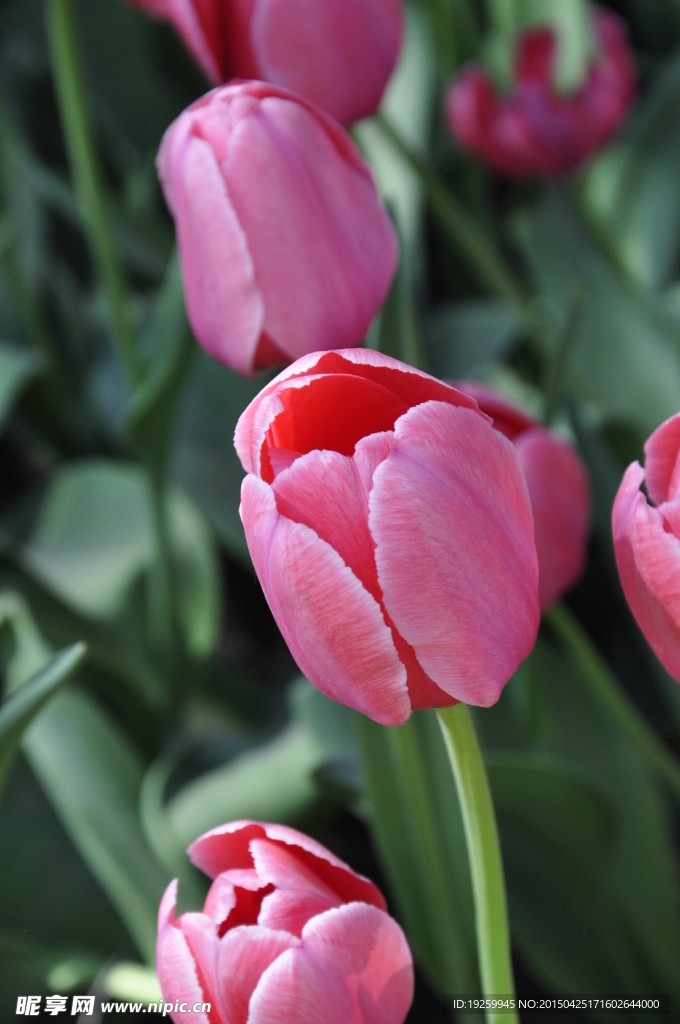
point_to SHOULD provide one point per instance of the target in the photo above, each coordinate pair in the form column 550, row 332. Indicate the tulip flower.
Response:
column 536, row 130
column 288, row 935
column 647, row 543
column 284, row 245
column 390, row 527
column 558, row 488
column 337, row 53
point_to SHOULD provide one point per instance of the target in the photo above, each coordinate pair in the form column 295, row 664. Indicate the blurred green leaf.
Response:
column 625, row 355
column 197, row 576
column 272, row 782
column 418, row 828
column 25, row 704
column 205, row 463
column 17, row 367
column 633, row 190
column 92, row 776
column 462, row 336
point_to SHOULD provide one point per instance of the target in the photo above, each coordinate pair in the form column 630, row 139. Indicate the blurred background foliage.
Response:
column 161, row 733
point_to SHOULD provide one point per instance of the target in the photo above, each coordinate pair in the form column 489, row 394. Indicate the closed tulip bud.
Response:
column 390, row 527
column 536, row 130
column 288, row 935
column 284, row 244
column 558, row 488
column 647, row 543
column 337, row 53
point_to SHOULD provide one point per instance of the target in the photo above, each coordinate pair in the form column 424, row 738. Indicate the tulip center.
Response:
column 246, row 909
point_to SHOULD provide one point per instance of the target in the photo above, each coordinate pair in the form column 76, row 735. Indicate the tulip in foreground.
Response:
column 390, row 527
column 558, row 488
column 284, row 244
column 289, row 934
column 647, row 543
column 536, row 130
column 337, row 53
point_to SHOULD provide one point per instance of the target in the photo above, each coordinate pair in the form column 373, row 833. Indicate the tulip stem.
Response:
column 611, row 697
column 69, row 84
column 470, row 238
column 486, row 864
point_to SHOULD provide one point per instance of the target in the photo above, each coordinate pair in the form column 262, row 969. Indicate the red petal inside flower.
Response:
column 247, row 909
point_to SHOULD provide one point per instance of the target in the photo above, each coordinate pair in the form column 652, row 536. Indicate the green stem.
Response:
column 613, row 700
column 486, row 864
column 163, row 612
column 68, row 78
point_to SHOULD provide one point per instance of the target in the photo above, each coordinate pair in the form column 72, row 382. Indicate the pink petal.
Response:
column 332, row 625
column 299, row 893
column 221, row 899
column 411, row 385
column 323, row 248
column 224, row 303
column 352, row 967
column 507, row 417
column 560, row 501
column 456, row 558
column 338, row 54
column 244, row 954
column 175, row 966
column 226, row 847
column 662, row 451
column 648, row 560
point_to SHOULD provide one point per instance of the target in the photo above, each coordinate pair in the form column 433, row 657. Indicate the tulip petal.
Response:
column 339, row 55
column 560, row 501
column 323, row 249
column 457, row 564
column 196, row 33
column 224, row 303
column 353, row 966
column 299, row 893
column 662, row 458
column 244, row 954
column 176, row 968
column 333, row 626
column 648, row 560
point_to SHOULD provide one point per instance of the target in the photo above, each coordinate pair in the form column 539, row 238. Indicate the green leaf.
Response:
column 196, row 576
column 633, row 190
column 625, row 355
column 92, row 776
column 273, row 782
column 17, row 367
column 418, row 828
column 23, row 706
column 463, row 336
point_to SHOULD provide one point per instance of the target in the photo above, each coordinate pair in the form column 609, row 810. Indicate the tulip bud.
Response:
column 284, row 244
column 391, row 530
column 558, row 488
column 337, row 53
column 288, row 935
column 647, row 543
column 536, row 130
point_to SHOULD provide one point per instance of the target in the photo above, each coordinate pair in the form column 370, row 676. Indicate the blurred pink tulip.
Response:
column 647, row 543
column 284, row 244
column 558, row 488
column 391, row 530
column 288, row 935
column 337, row 53
column 536, row 130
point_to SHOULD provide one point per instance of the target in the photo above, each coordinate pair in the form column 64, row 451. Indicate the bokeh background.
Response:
column 160, row 737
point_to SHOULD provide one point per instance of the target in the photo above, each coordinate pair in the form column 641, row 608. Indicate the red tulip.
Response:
column 647, row 543
column 336, row 53
column 284, row 244
column 558, row 488
column 288, row 935
column 536, row 130
column 391, row 530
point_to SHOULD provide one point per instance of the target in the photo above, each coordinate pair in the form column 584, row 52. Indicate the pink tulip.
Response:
column 391, row 530
column 647, row 543
column 288, row 935
column 536, row 130
column 558, row 488
column 284, row 244
column 337, row 53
